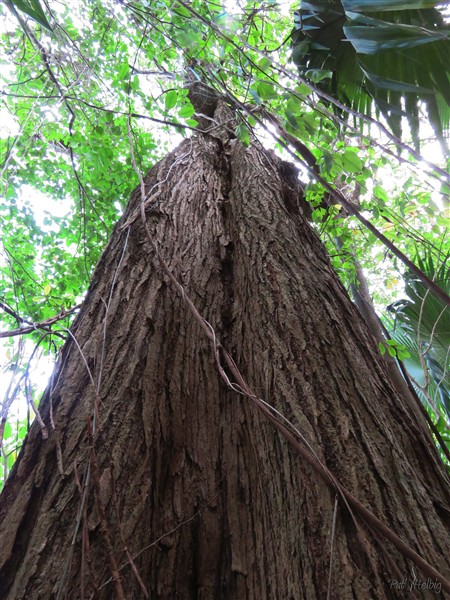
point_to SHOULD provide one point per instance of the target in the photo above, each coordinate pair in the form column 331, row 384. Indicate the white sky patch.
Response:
column 43, row 206
column 39, row 374
column 8, row 124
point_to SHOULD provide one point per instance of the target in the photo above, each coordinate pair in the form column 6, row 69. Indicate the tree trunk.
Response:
column 206, row 496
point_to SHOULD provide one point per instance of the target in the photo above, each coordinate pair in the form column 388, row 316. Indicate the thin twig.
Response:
column 39, row 325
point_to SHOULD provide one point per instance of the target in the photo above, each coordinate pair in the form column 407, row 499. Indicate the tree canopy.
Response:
column 87, row 84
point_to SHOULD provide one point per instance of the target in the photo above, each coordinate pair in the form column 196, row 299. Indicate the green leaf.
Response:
column 318, row 214
column 264, row 63
column 7, row 431
column 171, row 99
column 391, row 84
column 255, row 96
column 294, row 104
column 351, row 162
column 123, row 72
column 32, row 9
column 181, row 11
column 266, row 91
column 379, row 193
column 303, row 90
column 291, row 118
column 368, row 40
column 311, row 121
column 186, row 111
column 381, row 5
column 135, row 83
column 396, row 60
column 243, row 134
column 189, row 39
column 318, row 75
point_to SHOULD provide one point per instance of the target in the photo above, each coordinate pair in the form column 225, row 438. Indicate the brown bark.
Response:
column 210, row 500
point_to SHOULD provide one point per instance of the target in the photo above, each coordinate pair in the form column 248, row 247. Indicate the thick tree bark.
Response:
column 209, row 499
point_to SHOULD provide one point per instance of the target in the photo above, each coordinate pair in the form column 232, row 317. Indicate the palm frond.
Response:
column 387, row 57
column 32, row 8
column 422, row 324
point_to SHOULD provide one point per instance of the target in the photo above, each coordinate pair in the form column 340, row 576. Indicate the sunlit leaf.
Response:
column 33, row 9
column 171, row 98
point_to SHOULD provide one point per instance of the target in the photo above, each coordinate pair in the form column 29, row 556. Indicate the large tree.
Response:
column 220, row 423
column 151, row 456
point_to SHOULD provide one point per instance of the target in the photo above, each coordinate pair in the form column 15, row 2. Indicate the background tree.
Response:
column 155, row 470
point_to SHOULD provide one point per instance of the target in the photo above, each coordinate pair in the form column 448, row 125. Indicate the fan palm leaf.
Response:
column 390, row 57
column 422, row 324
